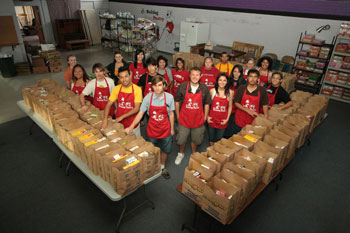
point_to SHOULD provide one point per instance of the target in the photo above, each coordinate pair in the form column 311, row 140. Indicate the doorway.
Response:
column 31, row 25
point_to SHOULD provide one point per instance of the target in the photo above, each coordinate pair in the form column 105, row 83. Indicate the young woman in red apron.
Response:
column 265, row 66
column 80, row 79
column 126, row 102
column 138, row 67
column 209, row 73
column 101, row 97
column 220, row 110
column 180, row 74
column 163, row 70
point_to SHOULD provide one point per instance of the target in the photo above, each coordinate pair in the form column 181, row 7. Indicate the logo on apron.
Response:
column 191, row 105
column 219, row 108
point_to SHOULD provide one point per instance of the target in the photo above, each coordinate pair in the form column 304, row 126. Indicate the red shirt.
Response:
column 209, row 76
column 137, row 73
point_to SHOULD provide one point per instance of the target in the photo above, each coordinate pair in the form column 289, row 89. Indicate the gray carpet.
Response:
column 37, row 196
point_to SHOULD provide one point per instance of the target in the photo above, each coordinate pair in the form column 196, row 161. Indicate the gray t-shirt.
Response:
column 157, row 102
column 162, row 72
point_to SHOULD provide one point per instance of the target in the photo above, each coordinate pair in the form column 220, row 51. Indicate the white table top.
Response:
column 97, row 180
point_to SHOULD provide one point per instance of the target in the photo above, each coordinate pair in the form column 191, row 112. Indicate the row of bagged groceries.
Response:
column 223, row 178
column 124, row 161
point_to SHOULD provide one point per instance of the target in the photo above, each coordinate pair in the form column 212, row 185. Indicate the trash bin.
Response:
column 7, row 66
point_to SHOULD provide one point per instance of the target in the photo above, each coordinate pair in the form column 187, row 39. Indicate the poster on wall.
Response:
column 168, row 29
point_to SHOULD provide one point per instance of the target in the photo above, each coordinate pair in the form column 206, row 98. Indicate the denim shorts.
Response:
column 163, row 143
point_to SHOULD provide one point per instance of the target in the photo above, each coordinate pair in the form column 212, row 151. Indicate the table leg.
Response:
column 192, row 228
column 31, row 127
column 121, row 215
column 67, row 168
column 60, row 159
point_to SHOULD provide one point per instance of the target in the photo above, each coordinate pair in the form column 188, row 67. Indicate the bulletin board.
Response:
column 8, row 31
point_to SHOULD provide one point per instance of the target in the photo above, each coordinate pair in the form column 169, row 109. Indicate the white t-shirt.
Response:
column 90, row 87
column 194, row 89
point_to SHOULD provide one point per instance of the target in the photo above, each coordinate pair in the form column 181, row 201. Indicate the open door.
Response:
column 38, row 25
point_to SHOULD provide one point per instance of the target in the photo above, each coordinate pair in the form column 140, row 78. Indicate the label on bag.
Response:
column 130, row 165
column 134, row 148
column 89, row 135
column 239, row 144
column 247, row 158
column 76, row 133
column 143, row 154
column 117, row 156
column 116, row 139
column 87, row 144
column 102, row 147
column 250, row 138
column 101, row 140
column 111, row 132
column 270, row 160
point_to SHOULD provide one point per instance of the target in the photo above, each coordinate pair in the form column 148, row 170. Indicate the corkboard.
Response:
column 8, row 31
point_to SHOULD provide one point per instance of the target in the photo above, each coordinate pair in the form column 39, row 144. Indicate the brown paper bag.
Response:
column 247, row 174
column 150, row 158
column 202, row 159
column 243, row 142
column 258, row 130
column 135, row 144
column 271, row 165
column 110, row 160
column 98, row 161
column 218, row 158
column 260, row 145
column 278, row 144
column 223, row 149
column 294, row 135
column 230, row 144
column 222, row 208
column 251, row 157
column 261, row 121
column 284, row 137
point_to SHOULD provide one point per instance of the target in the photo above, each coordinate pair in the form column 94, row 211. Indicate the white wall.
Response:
column 278, row 34
column 7, row 8
column 98, row 5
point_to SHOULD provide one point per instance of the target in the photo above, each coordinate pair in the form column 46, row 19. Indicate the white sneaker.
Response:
column 179, row 158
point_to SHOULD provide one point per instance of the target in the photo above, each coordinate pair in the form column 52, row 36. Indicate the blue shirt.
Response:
column 157, row 102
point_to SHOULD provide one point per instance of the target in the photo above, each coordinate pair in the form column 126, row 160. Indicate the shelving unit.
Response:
column 336, row 84
column 308, row 79
column 145, row 37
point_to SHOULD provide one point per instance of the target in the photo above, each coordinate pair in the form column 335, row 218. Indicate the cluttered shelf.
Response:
column 337, row 84
column 338, row 69
column 336, row 98
column 319, row 58
column 311, row 71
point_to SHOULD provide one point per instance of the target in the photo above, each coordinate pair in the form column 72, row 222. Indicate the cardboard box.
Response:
column 55, row 69
column 40, row 70
column 38, row 61
column 55, row 62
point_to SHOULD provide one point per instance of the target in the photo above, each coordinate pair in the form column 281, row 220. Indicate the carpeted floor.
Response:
column 37, row 196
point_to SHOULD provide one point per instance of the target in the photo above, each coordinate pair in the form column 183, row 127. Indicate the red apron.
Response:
column 148, row 87
column 227, row 68
column 218, row 112
column 137, row 72
column 79, row 89
column 101, row 97
column 209, row 77
column 233, row 104
column 167, row 79
column 191, row 113
column 158, row 124
column 126, row 103
column 179, row 77
column 272, row 97
column 245, row 74
column 251, row 102
column 263, row 79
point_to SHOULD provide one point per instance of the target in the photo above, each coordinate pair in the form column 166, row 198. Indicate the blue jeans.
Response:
column 215, row 134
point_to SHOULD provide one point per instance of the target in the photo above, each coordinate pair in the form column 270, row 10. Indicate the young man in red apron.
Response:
column 192, row 102
column 249, row 99
column 128, row 99
column 145, row 81
column 160, row 128
column 277, row 94
column 209, row 73
column 224, row 66
column 99, row 89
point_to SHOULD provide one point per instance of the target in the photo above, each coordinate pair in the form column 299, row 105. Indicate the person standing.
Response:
column 138, row 67
column 264, row 67
column 68, row 73
column 99, row 89
column 192, row 102
column 221, row 107
column 277, row 94
column 209, row 73
column 160, row 128
column 128, row 99
column 180, row 74
column 145, row 81
column 164, row 71
column 249, row 99
column 250, row 65
column 224, row 65
column 112, row 68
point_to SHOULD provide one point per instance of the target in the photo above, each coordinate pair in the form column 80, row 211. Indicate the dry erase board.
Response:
column 8, row 31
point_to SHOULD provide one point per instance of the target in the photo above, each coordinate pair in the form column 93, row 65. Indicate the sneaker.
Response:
column 165, row 174
column 179, row 158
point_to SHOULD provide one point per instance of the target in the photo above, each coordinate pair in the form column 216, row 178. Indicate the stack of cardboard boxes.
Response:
column 54, row 60
column 39, row 65
column 235, row 170
column 23, row 68
column 124, row 161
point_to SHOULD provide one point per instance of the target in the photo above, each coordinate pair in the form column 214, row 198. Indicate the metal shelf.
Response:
column 341, row 54
column 336, row 98
column 337, row 84
column 338, row 69
column 325, row 59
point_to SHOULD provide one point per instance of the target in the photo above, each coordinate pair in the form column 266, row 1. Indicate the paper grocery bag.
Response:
column 110, row 160
column 258, row 130
column 286, row 138
column 75, row 133
column 150, row 159
column 127, row 139
column 218, row 158
column 250, row 136
column 294, row 135
column 91, row 152
column 135, row 144
column 193, row 186
column 126, row 178
column 250, row 156
column 271, row 165
column 278, row 144
column 230, row 144
column 203, row 160
column 87, row 155
column 117, row 136
column 243, row 142
column 302, row 122
column 295, row 128
column 98, row 162
column 266, row 147
column 223, row 149
column 261, row 121
column 220, row 207
column 247, row 174
column 232, row 178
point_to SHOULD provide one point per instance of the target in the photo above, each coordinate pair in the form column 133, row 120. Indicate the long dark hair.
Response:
column 240, row 80
column 183, row 62
column 118, row 52
column 85, row 76
column 227, row 87
column 267, row 59
column 138, row 51
column 160, row 57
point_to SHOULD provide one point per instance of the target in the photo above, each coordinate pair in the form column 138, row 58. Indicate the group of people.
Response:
column 223, row 98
